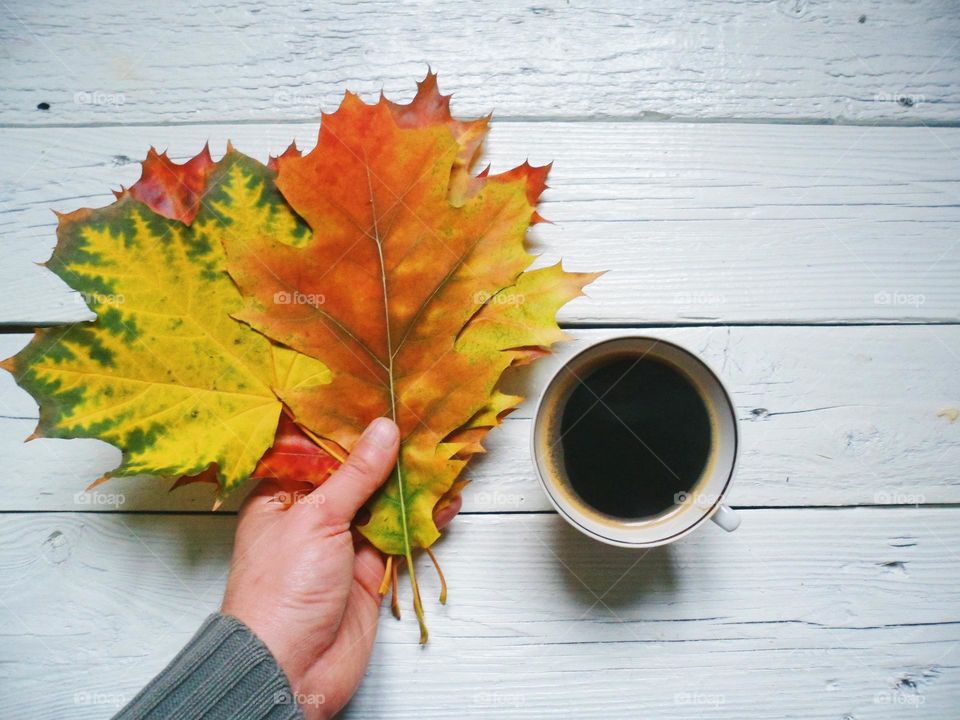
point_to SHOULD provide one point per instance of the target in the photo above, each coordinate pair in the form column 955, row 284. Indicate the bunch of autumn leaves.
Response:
column 252, row 319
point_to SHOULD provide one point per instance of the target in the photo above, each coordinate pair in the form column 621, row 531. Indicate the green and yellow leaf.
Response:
column 164, row 372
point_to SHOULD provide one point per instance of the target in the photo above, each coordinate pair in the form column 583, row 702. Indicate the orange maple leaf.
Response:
column 412, row 291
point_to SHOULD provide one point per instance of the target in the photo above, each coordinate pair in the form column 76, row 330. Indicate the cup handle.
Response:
column 726, row 518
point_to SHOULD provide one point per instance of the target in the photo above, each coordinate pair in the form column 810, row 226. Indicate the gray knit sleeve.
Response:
column 224, row 673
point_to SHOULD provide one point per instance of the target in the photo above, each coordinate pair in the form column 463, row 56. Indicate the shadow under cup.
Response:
column 697, row 497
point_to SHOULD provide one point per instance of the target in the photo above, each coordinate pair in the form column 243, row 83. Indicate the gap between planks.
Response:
column 599, row 118
column 15, row 329
column 495, row 513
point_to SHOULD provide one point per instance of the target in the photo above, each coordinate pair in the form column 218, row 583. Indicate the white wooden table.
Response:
column 775, row 185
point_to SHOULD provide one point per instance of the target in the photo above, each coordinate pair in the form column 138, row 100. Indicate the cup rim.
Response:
column 633, row 525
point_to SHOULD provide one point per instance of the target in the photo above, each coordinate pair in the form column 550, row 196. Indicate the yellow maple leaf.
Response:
column 164, row 373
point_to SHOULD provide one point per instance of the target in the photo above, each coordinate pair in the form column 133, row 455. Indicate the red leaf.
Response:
column 293, row 458
column 171, row 189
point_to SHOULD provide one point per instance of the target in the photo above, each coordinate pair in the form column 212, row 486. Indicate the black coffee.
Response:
column 646, row 439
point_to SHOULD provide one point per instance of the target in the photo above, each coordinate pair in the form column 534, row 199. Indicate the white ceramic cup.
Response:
column 703, row 501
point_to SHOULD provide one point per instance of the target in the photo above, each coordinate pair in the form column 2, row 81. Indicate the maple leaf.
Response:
column 171, row 189
column 411, row 290
column 175, row 190
column 164, row 373
column 292, row 460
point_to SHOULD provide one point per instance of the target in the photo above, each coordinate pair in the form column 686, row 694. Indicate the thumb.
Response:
column 365, row 469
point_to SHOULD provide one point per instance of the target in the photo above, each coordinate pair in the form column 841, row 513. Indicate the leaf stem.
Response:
column 394, row 597
column 443, row 580
column 407, row 550
column 385, row 582
column 408, row 554
column 325, row 445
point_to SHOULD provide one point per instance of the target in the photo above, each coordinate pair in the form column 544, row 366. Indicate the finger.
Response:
column 364, row 470
column 260, row 498
column 445, row 514
column 368, row 568
column 259, row 512
column 271, row 496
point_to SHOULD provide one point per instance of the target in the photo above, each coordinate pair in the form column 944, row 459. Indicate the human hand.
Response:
column 306, row 585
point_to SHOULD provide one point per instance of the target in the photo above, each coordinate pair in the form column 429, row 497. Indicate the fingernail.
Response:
column 382, row 432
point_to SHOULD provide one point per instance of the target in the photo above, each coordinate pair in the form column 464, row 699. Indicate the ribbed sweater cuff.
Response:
column 225, row 672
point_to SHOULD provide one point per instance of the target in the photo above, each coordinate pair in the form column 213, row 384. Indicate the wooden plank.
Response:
column 829, row 416
column 697, row 223
column 889, row 61
column 800, row 613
